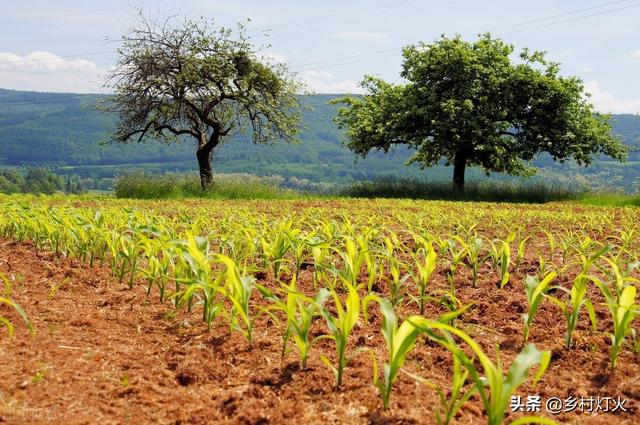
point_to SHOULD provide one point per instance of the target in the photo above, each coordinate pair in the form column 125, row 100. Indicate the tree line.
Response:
column 467, row 103
column 38, row 180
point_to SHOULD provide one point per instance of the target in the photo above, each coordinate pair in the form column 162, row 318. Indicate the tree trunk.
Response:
column 204, row 153
column 459, row 166
column 204, row 164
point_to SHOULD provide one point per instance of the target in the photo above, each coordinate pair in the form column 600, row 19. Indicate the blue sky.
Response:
column 61, row 45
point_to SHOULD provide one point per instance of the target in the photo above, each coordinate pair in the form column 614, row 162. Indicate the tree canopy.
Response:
column 194, row 79
column 469, row 103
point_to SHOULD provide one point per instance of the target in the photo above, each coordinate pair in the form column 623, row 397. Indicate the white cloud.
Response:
column 44, row 71
column 361, row 35
column 323, row 82
column 608, row 103
column 634, row 55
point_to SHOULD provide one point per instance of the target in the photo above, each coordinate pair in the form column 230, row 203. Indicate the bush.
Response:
column 175, row 186
column 486, row 191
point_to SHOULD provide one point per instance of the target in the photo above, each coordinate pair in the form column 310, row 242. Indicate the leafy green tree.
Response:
column 41, row 180
column 471, row 104
column 10, row 181
column 38, row 180
column 195, row 79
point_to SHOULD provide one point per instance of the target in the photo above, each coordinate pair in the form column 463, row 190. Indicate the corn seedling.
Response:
column 320, row 253
column 194, row 269
column 535, row 290
column 340, row 327
column 274, row 250
column 425, row 264
column 587, row 261
column 505, row 261
column 626, row 239
column 456, row 257
column 521, row 252
column 544, row 266
column 352, row 260
column 577, row 300
column 500, row 254
column 6, row 300
column 400, row 341
column 238, row 289
column 396, row 281
column 495, row 389
column 552, row 243
column 449, row 300
column 300, row 311
column 493, row 253
column 450, row 401
column 621, row 278
column 473, row 249
column 623, row 311
column 158, row 262
column 369, row 259
column 299, row 247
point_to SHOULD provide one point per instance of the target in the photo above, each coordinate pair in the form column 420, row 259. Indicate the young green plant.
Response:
column 340, row 327
column 577, row 300
column 396, row 281
column 505, row 261
column 623, row 312
column 300, row 311
column 495, row 389
column 238, row 289
column 535, row 290
column 425, row 264
column 6, row 300
column 520, row 252
column 400, row 341
column 456, row 257
column 450, row 401
column 473, row 255
column 500, row 254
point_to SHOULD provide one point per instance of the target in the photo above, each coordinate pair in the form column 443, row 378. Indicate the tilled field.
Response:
column 105, row 352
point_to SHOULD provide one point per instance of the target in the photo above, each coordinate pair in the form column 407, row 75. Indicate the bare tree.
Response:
column 190, row 78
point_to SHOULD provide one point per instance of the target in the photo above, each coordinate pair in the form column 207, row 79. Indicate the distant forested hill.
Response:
column 65, row 133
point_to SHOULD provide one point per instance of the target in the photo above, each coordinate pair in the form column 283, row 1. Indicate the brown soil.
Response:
column 105, row 354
